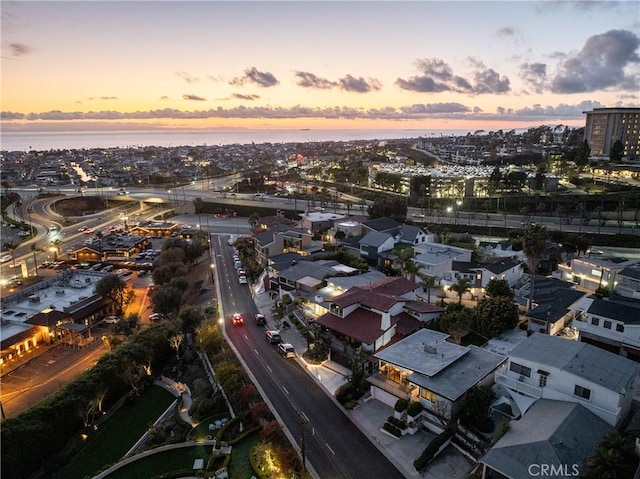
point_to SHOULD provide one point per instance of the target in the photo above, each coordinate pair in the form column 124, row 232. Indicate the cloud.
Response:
column 506, row 32
column 600, row 64
column 534, row 75
column 164, row 97
column 309, row 80
column 19, row 49
column 419, row 111
column 359, row 85
column 187, row 77
column 238, row 96
column 263, row 79
column 437, row 76
column 193, row 98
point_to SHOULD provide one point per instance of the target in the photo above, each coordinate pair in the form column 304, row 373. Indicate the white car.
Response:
column 111, row 319
column 5, row 258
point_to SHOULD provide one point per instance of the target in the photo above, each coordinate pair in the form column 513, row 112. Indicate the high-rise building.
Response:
column 606, row 125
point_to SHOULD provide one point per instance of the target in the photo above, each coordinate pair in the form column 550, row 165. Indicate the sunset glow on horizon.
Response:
column 324, row 65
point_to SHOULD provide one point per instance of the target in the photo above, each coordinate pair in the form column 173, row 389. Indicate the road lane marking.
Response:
column 246, row 337
column 285, row 389
column 270, row 370
column 304, row 416
column 329, row 447
column 256, row 351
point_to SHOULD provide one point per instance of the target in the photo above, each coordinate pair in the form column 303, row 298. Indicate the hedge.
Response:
column 414, row 409
column 392, row 429
column 401, row 405
column 432, row 448
column 396, row 422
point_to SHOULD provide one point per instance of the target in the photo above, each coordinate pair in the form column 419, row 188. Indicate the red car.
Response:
column 237, row 319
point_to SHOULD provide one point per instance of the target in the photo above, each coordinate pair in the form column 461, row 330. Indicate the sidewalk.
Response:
column 371, row 414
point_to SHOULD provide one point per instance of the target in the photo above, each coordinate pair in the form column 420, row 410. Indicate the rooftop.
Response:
column 584, row 360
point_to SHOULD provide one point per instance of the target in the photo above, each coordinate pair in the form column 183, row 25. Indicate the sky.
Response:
column 475, row 65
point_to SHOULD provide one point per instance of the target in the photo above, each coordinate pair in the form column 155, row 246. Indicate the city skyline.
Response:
column 339, row 65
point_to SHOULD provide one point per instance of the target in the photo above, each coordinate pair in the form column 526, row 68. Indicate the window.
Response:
column 428, row 395
column 607, row 324
column 584, row 393
column 520, row 369
column 595, row 321
column 543, row 378
column 620, row 328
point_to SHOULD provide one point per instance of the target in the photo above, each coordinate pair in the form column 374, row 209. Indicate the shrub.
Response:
column 401, row 405
column 392, row 429
column 396, row 422
column 414, row 409
column 432, row 448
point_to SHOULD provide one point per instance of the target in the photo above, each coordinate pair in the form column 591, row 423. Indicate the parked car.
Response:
column 273, row 336
column 5, row 258
column 243, row 280
column 237, row 319
column 286, row 350
column 142, row 272
column 155, row 317
column 260, row 319
column 111, row 319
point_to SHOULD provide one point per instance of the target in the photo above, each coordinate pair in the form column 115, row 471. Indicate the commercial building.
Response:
column 604, row 126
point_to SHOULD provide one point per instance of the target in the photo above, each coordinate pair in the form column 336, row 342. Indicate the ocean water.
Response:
column 44, row 141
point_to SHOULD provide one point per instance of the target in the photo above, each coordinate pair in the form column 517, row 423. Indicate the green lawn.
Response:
column 163, row 462
column 240, row 467
column 119, row 433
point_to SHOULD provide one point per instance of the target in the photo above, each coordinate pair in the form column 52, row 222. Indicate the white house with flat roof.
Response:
column 425, row 367
column 550, row 367
column 437, row 259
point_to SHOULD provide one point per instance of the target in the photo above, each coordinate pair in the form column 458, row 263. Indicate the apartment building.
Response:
column 604, row 126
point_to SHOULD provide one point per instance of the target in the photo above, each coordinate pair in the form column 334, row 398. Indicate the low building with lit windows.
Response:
column 428, row 368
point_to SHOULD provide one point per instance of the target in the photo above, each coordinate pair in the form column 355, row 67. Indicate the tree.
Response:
column 457, row 322
column 616, row 152
column 406, row 264
column 166, row 299
column 198, row 204
column 176, row 341
column 462, row 286
column 534, row 242
column 388, row 206
column 477, row 401
column 191, row 317
column 495, row 315
column 498, row 287
column 113, row 287
column 613, row 459
column 428, row 283
column 583, row 152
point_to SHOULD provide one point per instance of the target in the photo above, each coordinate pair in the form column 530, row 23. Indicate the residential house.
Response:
column 627, row 282
column 593, row 272
column 413, row 235
column 553, row 439
column 437, row 259
column 426, row 367
column 554, row 306
column 508, row 269
column 550, row 367
column 284, row 239
column 319, row 222
column 611, row 325
column 347, row 228
column 382, row 225
column 373, row 244
column 369, row 317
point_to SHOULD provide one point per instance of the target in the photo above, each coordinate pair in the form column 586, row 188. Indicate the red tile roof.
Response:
column 362, row 325
column 406, row 324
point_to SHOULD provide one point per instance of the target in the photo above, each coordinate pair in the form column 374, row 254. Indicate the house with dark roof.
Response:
column 611, row 325
column 627, row 282
column 558, row 436
column 413, row 235
column 427, row 368
column 284, row 239
column 555, row 305
column 370, row 316
column 373, row 244
column 549, row 367
column 382, row 225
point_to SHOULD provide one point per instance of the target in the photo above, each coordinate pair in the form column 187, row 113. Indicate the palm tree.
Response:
column 405, row 263
column 533, row 244
column 463, row 285
column 428, row 283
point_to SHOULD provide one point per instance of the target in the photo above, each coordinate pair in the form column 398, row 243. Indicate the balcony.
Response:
column 403, row 391
column 518, row 386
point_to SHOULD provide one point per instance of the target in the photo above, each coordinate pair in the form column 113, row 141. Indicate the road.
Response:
column 334, row 446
